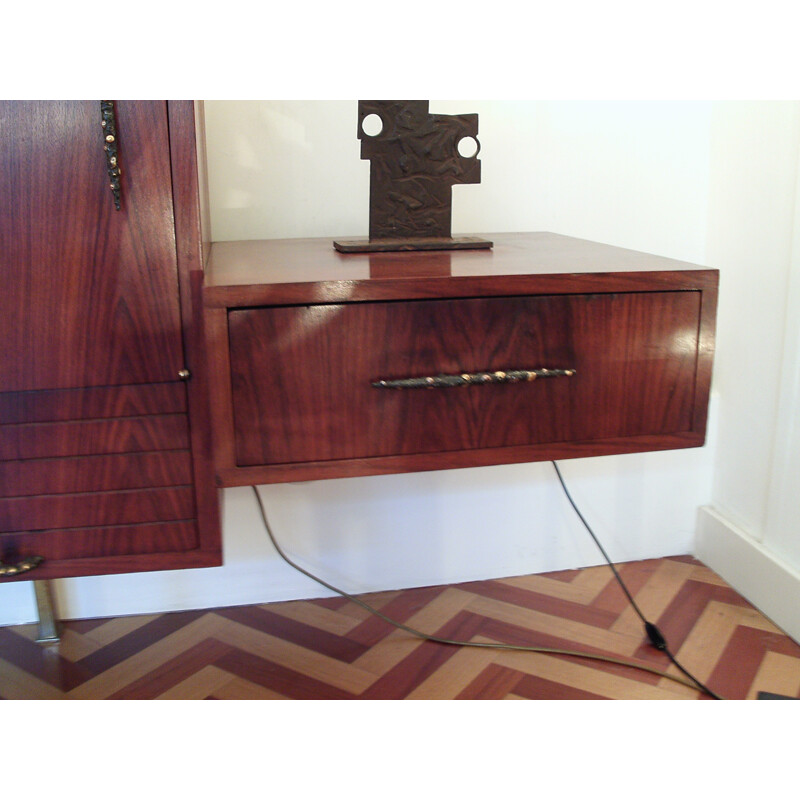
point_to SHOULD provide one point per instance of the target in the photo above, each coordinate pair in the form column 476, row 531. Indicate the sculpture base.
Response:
column 421, row 243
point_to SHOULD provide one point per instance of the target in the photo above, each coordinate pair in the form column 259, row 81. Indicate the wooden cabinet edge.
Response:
column 388, row 289
column 117, row 565
column 191, row 225
column 230, row 476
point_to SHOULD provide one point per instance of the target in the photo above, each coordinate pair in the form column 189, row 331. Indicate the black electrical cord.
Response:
column 654, row 635
column 440, row 640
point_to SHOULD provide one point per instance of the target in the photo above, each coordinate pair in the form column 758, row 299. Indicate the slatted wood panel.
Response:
column 95, row 508
column 92, row 437
column 332, row 649
column 95, row 473
column 101, row 541
column 92, row 403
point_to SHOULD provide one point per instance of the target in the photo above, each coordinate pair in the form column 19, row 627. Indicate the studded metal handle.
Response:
column 473, row 379
column 26, row 565
column 109, row 124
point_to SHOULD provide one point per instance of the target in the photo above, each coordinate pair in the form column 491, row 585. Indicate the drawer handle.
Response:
column 473, row 379
column 26, row 565
column 109, row 124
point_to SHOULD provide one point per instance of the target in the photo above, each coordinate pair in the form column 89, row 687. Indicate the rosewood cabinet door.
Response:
column 88, row 293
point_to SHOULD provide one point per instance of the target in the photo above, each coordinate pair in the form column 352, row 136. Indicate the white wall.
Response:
column 751, row 535
column 637, row 175
column 750, row 220
column 632, row 174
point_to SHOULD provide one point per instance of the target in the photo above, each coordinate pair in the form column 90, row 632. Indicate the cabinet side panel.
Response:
column 93, row 437
column 96, row 508
column 190, row 233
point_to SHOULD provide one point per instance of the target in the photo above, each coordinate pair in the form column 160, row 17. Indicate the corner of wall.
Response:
column 768, row 582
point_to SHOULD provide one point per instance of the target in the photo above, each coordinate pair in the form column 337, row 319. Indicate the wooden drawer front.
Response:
column 302, row 376
column 89, row 437
column 92, row 403
column 96, row 508
column 95, row 473
column 121, row 540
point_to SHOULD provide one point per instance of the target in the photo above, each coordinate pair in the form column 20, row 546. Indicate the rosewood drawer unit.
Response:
column 328, row 365
column 105, row 455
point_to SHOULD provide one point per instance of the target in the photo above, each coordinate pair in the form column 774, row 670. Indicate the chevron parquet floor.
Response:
column 333, row 649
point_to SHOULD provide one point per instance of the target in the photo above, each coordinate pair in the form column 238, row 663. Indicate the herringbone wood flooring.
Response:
column 332, row 649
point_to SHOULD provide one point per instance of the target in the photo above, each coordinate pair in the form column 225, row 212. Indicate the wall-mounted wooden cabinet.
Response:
column 106, row 461
column 300, row 335
column 104, row 440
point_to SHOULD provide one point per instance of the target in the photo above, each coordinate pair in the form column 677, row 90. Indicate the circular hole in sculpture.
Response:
column 468, row 147
column 372, row 124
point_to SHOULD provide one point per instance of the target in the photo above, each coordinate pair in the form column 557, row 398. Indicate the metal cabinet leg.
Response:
column 48, row 627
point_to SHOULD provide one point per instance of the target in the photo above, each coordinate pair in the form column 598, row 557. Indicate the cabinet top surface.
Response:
column 292, row 261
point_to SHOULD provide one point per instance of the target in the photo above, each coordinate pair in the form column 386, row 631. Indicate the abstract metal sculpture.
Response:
column 416, row 158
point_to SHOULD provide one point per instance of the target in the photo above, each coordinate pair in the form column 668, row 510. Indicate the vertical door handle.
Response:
column 109, row 124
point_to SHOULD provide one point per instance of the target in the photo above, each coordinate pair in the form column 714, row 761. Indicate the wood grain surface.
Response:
column 95, row 473
column 100, row 542
column 278, row 262
column 93, row 403
column 302, row 376
column 192, row 231
column 96, row 287
column 276, row 310
column 96, row 508
column 105, row 455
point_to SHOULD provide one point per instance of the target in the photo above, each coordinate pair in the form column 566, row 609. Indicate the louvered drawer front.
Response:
column 89, row 437
column 95, row 508
column 92, row 403
column 95, row 473
column 100, row 542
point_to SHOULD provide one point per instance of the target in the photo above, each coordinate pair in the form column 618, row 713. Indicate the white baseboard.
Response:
column 759, row 575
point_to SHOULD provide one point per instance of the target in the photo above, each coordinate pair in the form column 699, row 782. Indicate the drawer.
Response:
column 302, row 376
